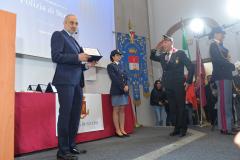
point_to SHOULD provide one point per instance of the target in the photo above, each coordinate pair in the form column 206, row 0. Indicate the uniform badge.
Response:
column 177, row 60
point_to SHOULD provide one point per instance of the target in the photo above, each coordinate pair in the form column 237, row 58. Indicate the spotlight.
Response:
column 233, row 8
column 197, row 25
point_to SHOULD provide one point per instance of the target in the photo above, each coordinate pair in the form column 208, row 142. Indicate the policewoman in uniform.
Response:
column 119, row 92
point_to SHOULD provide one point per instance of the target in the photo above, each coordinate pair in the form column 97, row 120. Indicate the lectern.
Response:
column 7, row 83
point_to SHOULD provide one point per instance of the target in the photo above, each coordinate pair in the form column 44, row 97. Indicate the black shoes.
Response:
column 76, row 151
column 228, row 132
column 67, row 156
column 72, row 155
column 174, row 133
column 126, row 135
column 119, row 135
column 180, row 133
column 122, row 135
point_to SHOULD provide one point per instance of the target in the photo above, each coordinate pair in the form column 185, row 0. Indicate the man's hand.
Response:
column 83, row 57
column 125, row 88
column 91, row 64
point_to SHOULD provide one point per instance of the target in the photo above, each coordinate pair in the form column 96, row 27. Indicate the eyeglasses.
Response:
column 72, row 23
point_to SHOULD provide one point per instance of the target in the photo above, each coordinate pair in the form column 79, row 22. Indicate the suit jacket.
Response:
column 173, row 70
column 118, row 77
column 222, row 68
column 64, row 52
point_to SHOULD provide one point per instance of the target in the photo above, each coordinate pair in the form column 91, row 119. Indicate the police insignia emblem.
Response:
column 177, row 60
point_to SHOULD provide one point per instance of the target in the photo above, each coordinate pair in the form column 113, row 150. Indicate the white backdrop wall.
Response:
column 39, row 71
column 32, row 71
column 164, row 14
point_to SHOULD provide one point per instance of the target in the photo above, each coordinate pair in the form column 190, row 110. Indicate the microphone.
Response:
column 76, row 31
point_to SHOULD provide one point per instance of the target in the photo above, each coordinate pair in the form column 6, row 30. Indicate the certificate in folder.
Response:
column 94, row 53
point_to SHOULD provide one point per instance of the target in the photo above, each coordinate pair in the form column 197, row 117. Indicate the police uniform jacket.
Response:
column 222, row 68
column 173, row 69
column 118, row 77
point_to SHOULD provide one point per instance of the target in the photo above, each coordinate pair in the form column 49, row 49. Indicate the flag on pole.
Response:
column 200, row 76
column 185, row 44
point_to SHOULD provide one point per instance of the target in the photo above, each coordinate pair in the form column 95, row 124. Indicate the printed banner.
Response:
column 91, row 116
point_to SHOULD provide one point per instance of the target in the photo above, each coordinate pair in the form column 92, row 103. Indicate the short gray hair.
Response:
column 67, row 16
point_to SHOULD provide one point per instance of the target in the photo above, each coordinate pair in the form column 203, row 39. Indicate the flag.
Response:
column 200, row 76
column 185, row 44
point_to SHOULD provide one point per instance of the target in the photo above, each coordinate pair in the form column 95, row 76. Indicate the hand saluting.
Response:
column 159, row 45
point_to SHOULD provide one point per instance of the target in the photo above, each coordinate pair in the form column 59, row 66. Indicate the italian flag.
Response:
column 185, row 44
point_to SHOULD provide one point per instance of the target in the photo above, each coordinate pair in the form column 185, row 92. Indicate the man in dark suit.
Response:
column 69, row 81
column 173, row 62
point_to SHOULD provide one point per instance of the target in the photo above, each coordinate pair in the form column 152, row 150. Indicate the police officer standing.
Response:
column 222, row 75
column 173, row 62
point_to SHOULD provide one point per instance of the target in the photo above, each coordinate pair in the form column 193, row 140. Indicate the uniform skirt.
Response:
column 119, row 100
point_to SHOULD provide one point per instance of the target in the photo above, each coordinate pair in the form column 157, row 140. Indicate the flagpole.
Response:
column 200, row 82
column 201, row 121
column 137, row 125
column 200, row 68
